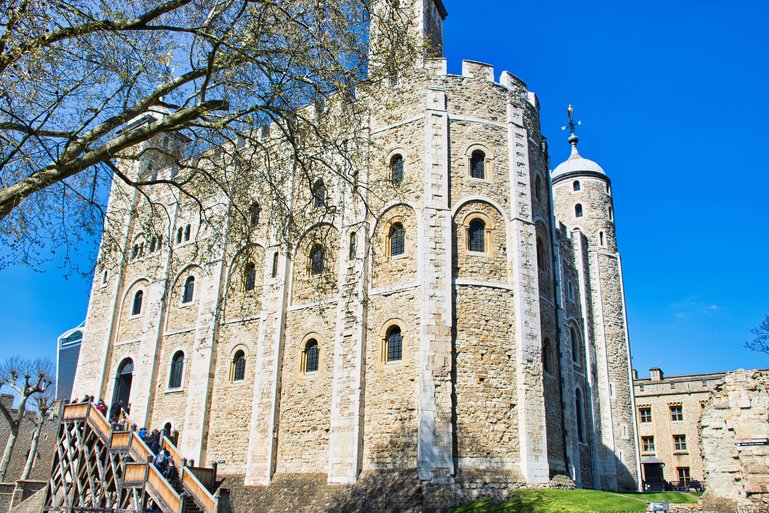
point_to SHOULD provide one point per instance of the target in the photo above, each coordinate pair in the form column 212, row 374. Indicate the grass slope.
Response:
column 573, row 501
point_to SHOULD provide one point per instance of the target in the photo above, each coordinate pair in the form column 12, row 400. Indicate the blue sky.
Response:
column 673, row 99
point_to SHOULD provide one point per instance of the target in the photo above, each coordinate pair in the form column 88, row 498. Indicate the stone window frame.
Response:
column 249, row 276
column 547, row 356
column 579, row 406
column 254, row 214
column 134, row 314
column 578, row 348
column 319, row 200
column 488, row 242
column 186, row 303
column 576, row 186
column 648, row 445
column 316, row 244
column 579, row 211
column 488, row 162
column 240, row 348
column 388, row 226
column 398, row 150
column 310, row 337
column 679, row 444
column 104, row 278
column 539, row 189
column 275, row 261
column 383, row 335
column 676, row 416
column 352, row 246
column 177, row 350
column 645, row 408
column 137, row 249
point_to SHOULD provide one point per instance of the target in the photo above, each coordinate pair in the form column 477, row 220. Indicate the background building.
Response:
column 67, row 354
column 448, row 309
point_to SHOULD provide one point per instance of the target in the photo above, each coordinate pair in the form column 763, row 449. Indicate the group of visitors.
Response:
column 113, row 411
column 163, row 462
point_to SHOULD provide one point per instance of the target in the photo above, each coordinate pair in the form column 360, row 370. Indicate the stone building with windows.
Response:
column 668, row 412
column 449, row 308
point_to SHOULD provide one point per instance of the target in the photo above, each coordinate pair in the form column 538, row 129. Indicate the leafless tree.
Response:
column 28, row 379
column 44, row 403
column 760, row 340
column 87, row 84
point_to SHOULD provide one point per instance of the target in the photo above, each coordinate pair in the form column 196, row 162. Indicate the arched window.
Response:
column 611, row 214
column 394, row 345
column 580, row 416
column 153, row 244
column 177, row 369
column 578, row 212
column 135, row 252
column 396, row 169
column 179, row 235
column 187, row 232
column 316, row 259
column 538, row 188
column 577, row 186
column 319, row 194
column 576, row 346
column 253, row 214
column 136, row 308
column 239, row 366
column 601, row 238
column 249, row 276
column 353, row 246
column 275, row 264
column 476, row 236
column 397, row 239
column 547, row 365
column 104, row 276
column 311, row 356
column 478, row 164
column 189, row 290
column 541, row 256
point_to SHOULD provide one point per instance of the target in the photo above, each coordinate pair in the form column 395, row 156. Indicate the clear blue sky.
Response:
column 675, row 106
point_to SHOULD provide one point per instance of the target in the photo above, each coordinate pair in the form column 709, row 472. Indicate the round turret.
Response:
column 582, row 198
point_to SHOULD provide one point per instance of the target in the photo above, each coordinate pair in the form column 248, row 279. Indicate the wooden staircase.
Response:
column 98, row 469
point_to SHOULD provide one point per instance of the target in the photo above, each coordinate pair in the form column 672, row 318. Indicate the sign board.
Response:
column 753, row 443
column 659, row 506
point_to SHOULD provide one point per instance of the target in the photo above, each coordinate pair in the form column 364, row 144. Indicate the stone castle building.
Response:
column 459, row 310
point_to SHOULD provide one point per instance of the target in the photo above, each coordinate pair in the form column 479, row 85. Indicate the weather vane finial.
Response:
column 572, row 124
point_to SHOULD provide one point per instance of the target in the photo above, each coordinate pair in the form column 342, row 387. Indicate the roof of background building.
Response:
column 576, row 164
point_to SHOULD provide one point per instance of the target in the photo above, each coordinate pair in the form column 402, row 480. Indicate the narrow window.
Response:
column 580, row 416
column 153, row 243
column 319, row 194
column 546, row 364
column 104, row 278
column 275, row 264
column 189, row 290
column 577, row 186
column 571, row 290
column 476, row 236
column 647, row 443
column 353, row 246
column 541, row 258
column 478, row 164
column 177, row 369
column 179, row 235
column 576, row 347
column 136, row 309
column 311, row 356
column 187, row 232
column 160, row 242
column 611, row 214
column 253, row 213
column 239, row 366
column 601, row 238
column 134, row 251
column 396, row 169
column 316, row 259
column 538, row 188
column 249, row 276
column 397, row 240
column 578, row 210
column 394, row 343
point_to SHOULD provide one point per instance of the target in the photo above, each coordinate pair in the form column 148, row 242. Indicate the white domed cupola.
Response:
column 577, row 165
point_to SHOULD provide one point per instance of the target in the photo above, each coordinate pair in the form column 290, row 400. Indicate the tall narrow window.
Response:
column 153, row 243
column 311, row 356
column 396, row 169
column 578, row 212
column 577, row 186
column 478, row 164
column 249, row 277
column 189, row 290
column 541, row 257
column 601, row 238
column 275, row 264
column 104, row 277
column 476, row 236
column 576, row 347
column 179, row 235
column 136, row 308
column 177, row 369
column 187, row 232
column 319, row 194
column 547, row 365
column 353, row 245
column 316, row 259
column 538, row 188
column 397, row 239
column 239, row 366
column 254, row 213
column 394, row 342
column 611, row 214
column 580, row 416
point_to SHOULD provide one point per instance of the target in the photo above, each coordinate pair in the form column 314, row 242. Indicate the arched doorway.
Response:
column 125, row 372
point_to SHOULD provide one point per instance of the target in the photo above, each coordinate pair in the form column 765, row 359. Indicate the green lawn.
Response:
column 573, row 501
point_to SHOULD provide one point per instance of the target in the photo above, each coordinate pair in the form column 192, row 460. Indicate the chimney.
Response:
column 656, row 373
column 635, row 374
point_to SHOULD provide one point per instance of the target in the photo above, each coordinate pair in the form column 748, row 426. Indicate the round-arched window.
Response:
column 397, row 239
column 476, row 236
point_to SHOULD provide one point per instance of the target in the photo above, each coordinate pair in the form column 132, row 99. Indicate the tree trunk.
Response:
column 33, row 447
column 8, row 451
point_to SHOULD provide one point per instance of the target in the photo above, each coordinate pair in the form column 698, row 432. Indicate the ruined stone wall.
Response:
column 736, row 412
